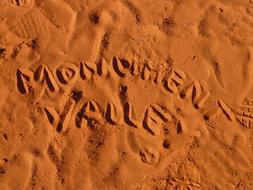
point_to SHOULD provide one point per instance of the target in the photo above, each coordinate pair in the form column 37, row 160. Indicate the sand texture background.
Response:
column 126, row 94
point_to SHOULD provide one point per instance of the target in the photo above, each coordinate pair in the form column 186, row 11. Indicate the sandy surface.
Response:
column 126, row 94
